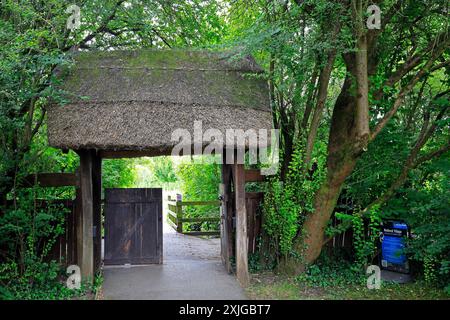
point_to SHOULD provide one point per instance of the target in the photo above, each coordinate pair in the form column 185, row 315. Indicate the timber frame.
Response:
column 232, row 196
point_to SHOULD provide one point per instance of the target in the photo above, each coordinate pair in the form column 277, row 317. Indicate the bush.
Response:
column 332, row 271
column 37, row 281
column 27, row 234
column 425, row 206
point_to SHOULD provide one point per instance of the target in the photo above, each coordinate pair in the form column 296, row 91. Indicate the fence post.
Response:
column 179, row 217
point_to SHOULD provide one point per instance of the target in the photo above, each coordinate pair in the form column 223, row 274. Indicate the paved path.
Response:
column 191, row 270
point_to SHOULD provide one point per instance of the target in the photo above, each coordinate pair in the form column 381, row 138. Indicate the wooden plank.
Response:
column 173, row 225
column 253, row 175
column 172, row 208
column 241, row 226
column 85, row 243
column 172, row 216
column 133, row 230
column 117, row 154
column 134, row 195
column 50, row 180
column 231, row 215
column 250, row 208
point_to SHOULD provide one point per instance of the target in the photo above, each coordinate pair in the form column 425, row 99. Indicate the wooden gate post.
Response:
column 85, row 243
column 241, row 225
column 226, row 222
column 179, row 213
column 97, row 210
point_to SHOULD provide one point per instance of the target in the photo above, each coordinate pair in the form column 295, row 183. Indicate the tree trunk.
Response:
column 343, row 151
column 349, row 136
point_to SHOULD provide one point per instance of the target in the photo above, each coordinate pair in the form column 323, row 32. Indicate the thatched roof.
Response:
column 134, row 100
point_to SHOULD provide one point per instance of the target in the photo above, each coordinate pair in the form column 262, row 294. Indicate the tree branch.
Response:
column 104, row 24
column 432, row 155
column 441, row 41
column 405, row 90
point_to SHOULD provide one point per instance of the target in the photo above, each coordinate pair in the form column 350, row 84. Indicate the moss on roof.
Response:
column 175, row 76
column 185, row 81
column 169, row 59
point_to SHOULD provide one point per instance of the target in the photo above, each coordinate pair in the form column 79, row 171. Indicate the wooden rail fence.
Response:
column 176, row 216
column 253, row 200
column 64, row 249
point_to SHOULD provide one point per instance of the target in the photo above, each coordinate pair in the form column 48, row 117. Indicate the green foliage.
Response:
column 155, row 172
column 254, row 263
column 333, row 270
column 365, row 235
column 37, row 281
column 118, row 173
column 28, row 233
column 163, row 170
column 424, row 204
column 287, row 203
column 343, row 289
column 199, row 182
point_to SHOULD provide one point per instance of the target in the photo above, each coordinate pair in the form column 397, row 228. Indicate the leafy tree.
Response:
column 326, row 69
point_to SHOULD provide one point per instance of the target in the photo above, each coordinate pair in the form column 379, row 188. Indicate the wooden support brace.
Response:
column 253, row 175
column 50, row 180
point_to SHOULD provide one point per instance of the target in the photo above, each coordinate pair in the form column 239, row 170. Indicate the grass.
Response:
column 269, row 286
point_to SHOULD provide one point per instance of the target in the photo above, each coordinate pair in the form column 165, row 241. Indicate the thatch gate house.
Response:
column 128, row 103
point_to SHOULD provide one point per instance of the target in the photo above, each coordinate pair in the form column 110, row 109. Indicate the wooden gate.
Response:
column 133, row 226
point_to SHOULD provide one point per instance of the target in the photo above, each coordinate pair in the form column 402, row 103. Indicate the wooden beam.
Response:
column 110, row 154
column 116, row 154
column 50, row 180
column 85, row 243
column 241, row 226
column 254, row 195
column 253, row 175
